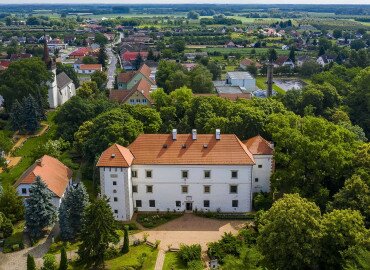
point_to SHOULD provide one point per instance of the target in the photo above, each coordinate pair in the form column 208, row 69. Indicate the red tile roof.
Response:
column 52, row 172
column 141, row 86
column 145, row 70
column 125, row 77
column 5, row 63
column 250, row 62
column 162, row 149
column 118, row 95
column 259, row 146
column 91, row 67
column 115, row 156
column 131, row 56
column 80, row 52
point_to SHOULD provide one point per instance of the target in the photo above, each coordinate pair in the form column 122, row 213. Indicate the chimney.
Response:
column 38, row 162
column 174, row 134
column 218, row 134
column 194, row 134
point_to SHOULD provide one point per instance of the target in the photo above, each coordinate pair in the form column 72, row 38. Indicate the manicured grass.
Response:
column 172, row 262
column 131, row 258
column 26, row 152
column 16, row 238
column 154, row 220
column 261, row 83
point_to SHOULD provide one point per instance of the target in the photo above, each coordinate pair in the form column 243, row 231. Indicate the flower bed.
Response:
column 216, row 215
column 151, row 220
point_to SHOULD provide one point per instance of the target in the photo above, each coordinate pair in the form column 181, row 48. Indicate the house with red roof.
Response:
column 183, row 172
column 127, row 80
column 131, row 56
column 80, row 53
column 56, row 176
column 139, row 94
column 88, row 68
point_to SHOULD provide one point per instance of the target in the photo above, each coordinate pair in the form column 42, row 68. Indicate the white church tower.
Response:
column 53, row 87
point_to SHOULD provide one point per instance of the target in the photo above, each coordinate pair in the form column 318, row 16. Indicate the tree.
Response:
column 292, row 54
column 16, row 116
column 138, row 61
column 215, row 69
column 31, row 116
column 290, row 234
column 337, row 33
column 114, row 126
column 49, row 262
column 71, row 212
column 100, row 78
column 252, row 69
column 201, row 80
column 40, row 211
column 193, row 15
column 354, row 195
column 101, row 39
column 11, row 204
column 22, row 78
column 309, row 68
column 126, row 244
column 341, row 229
column 77, row 110
column 6, row 227
column 98, row 231
column 249, row 259
column 31, row 265
column 5, row 143
column 88, row 89
column 89, row 60
column 357, row 44
column 52, row 148
column 272, row 55
column 177, row 80
column 102, row 56
column 63, row 265
column 71, row 73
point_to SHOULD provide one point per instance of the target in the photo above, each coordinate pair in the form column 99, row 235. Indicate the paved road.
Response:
column 112, row 61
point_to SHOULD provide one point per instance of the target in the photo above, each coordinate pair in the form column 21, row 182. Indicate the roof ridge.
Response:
column 245, row 148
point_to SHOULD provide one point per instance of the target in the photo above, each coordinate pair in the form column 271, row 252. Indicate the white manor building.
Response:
column 177, row 172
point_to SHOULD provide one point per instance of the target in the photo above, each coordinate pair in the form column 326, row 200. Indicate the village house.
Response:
column 193, row 55
column 245, row 63
column 88, row 68
column 204, row 172
column 302, row 59
column 283, row 61
column 56, row 176
column 79, row 53
column 139, row 94
column 56, row 44
column 127, row 80
column 241, row 79
column 325, row 59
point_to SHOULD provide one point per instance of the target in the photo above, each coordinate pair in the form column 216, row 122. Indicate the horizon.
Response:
column 184, row 2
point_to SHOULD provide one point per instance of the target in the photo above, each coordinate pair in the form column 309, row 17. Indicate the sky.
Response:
column 186, row 1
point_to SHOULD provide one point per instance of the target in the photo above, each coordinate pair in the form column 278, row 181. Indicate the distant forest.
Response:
column 362, row 10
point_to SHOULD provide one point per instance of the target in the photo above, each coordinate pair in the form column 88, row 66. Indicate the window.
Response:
column 235, row 203
column 134, row 189
column 114, row 183
column 233, row 189
column 113, row 176
column 234, row 174
column 260, row 166
column 24, row 191
column 132, row 101
column 151, row 203
column 114, row 191
column 184, row 189
column 178, row 203
column 206, row 203
column 115, row 199
column 138, row 203
column 134, row 173
column 148, row 174
column 256, row 179
column 144, row 101
column 115, row 211
column 184, row 174
column 138, row 100
column 207, row 174
column 207, row 189
column 149, row 189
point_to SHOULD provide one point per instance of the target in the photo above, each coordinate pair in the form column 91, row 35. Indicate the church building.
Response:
column 61, row 88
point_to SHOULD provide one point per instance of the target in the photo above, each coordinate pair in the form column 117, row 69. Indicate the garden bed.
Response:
column 152, row 220
column 234, row 216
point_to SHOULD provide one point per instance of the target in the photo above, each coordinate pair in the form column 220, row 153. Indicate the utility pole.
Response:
column 270, row 75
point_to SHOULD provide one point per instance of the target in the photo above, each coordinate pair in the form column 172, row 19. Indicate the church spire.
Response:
column 46, row 57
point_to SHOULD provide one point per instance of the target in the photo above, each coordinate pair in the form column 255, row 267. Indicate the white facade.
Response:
column 168, row 190
column 262, row 172
column 23, row 190
column 58, row 95
column 53, row 91
column 65, row 93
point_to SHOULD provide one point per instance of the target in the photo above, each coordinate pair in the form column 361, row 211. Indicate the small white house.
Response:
column 242, row 79
column 88, row 68
column 53, row 173
column 325, row 59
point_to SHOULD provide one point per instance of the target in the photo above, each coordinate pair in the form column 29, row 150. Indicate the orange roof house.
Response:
column 141, row 91
column 53, row 173
column 162, row 149
column 259, row 146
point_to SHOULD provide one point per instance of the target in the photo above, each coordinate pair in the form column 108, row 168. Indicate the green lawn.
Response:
column 261, row 83
column 172, row 262
column 16, row 238
column 131, row 258
column 26, row 152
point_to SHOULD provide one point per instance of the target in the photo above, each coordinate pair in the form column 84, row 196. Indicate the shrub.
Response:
column 195, row 265
column 126, row 245
column 228, row 245
column 262, row 201
column 111, row 253
column 31, row 265
column 49, row 262
column 188, row 253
